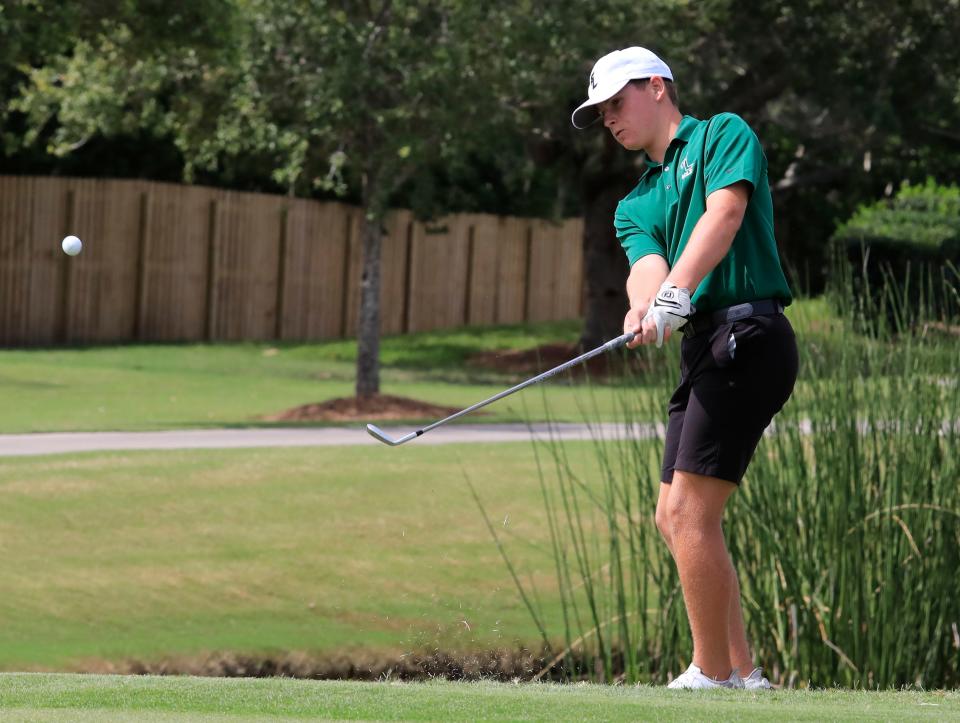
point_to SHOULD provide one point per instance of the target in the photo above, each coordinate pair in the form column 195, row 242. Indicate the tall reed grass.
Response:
column 845, row 532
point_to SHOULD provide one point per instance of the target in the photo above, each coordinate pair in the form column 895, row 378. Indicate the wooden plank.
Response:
column 572, row 296
column 175, row 268
column 102, row 293
column 313, row 293
column 143, row 243
column 48, row 219
column 393, row 271
column 247, row 239
column 438, row 273
column 511, row 270
column 278, row 332
column 556, row 270
column 214, row 251
column 15, row 261
column 483, row 269
column 354, row 272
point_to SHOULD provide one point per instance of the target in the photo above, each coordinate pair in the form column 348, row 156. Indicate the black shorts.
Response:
column 733, row 379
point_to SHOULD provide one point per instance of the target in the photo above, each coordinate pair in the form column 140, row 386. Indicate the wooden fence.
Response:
column 167, row 262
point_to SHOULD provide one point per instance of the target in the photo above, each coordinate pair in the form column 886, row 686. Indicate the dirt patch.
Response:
column 530, row 362
column 505, row 665
column 943, row 328
column 351, row 409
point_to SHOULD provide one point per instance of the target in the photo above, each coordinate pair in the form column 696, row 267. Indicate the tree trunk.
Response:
column 368, row 326
column 606, row 179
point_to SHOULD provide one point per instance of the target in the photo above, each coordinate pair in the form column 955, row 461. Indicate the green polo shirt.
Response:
column 659, row 215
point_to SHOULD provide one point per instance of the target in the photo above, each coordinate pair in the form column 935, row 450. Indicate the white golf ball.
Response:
column 71, row 245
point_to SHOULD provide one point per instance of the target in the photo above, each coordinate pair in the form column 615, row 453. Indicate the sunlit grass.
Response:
column 106, row 698
column 144, row 555
column 139, row 387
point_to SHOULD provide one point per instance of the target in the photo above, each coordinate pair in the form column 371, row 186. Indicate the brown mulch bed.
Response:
column 526, row 363
column 351, row 409
column 504, row 665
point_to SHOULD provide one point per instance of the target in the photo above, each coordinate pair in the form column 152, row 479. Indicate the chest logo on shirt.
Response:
column 687, row 169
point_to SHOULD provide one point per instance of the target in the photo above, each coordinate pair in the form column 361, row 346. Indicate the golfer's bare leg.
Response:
column 663, row 522
column 740, row 655
column 694, row 513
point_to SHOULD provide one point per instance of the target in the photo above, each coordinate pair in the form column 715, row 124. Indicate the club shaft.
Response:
column 609, row 346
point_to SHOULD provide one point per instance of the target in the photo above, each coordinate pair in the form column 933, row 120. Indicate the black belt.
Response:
column 699, row 323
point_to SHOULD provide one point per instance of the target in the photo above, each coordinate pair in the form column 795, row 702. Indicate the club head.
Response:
column 379, row 434
column 374, row 431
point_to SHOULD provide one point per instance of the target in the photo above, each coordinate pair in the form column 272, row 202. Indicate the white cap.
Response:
column 611, row 73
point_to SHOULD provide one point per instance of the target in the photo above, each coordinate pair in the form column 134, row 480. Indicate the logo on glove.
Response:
column 671, row 308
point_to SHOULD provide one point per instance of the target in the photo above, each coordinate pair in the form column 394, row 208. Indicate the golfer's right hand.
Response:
column 632, row 322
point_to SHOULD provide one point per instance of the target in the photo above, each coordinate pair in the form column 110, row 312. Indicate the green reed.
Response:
column 845, row 532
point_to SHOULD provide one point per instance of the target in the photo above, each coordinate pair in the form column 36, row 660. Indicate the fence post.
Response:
column 140, row 291
column 407, row 277
column 211, row 268
column 528, row 253
column 66, row 281
column 345, row 289
column 281, row 272
column 468, row 285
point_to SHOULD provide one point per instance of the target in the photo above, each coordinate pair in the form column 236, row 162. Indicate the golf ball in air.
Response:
column 71, row 245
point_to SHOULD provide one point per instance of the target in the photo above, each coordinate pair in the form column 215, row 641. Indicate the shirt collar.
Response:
column 684, row 131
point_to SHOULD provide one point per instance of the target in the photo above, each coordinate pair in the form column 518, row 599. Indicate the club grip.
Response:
column 619, row 341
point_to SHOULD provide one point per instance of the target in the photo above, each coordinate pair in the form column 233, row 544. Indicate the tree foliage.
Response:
column 449, row 105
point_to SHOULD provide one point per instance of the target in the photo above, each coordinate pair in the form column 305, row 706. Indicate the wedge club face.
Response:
column 374, row 431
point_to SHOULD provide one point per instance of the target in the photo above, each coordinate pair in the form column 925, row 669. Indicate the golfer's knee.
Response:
column 663, row 524
column 683, row 517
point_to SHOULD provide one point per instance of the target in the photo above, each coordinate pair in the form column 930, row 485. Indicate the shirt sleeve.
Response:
column 733, row 154
column 636, row 242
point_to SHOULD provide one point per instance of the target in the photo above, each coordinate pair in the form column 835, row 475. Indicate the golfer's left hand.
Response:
column 669, row 311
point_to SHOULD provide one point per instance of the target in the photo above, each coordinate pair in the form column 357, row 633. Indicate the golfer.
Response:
column 698, row 234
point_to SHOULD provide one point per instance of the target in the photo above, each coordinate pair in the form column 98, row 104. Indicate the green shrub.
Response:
column 920, row 221
column 912, row 239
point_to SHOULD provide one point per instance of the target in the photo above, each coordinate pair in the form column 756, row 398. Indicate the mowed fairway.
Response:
column 216, row 385
column 148, row 555
column 106, row 698
column 170, row 386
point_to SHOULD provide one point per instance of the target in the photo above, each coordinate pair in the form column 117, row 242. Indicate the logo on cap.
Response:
column 593, row 81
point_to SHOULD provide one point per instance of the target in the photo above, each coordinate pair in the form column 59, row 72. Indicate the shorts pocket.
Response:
column 723, row 345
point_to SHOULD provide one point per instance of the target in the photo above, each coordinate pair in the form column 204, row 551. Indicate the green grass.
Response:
column 176, row 386
column 106, row 698
column 149, row 555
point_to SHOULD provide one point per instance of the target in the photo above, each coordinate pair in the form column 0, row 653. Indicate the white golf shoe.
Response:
column 756, row 681
column 693, row 678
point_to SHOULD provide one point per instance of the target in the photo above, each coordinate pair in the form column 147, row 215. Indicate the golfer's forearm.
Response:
column 646, row 275
column 708, row 244
column 712, row 236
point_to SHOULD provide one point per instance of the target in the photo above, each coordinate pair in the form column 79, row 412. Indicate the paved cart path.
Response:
column 63, row 442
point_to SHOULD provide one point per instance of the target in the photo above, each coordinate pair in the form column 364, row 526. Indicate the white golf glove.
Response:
column 670, row 309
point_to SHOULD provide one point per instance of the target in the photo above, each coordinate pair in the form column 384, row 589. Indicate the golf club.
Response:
column 379, row 434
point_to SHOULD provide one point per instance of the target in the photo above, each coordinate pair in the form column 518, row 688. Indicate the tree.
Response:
column 321, row 95
column 363, row 93
column 404, row 101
